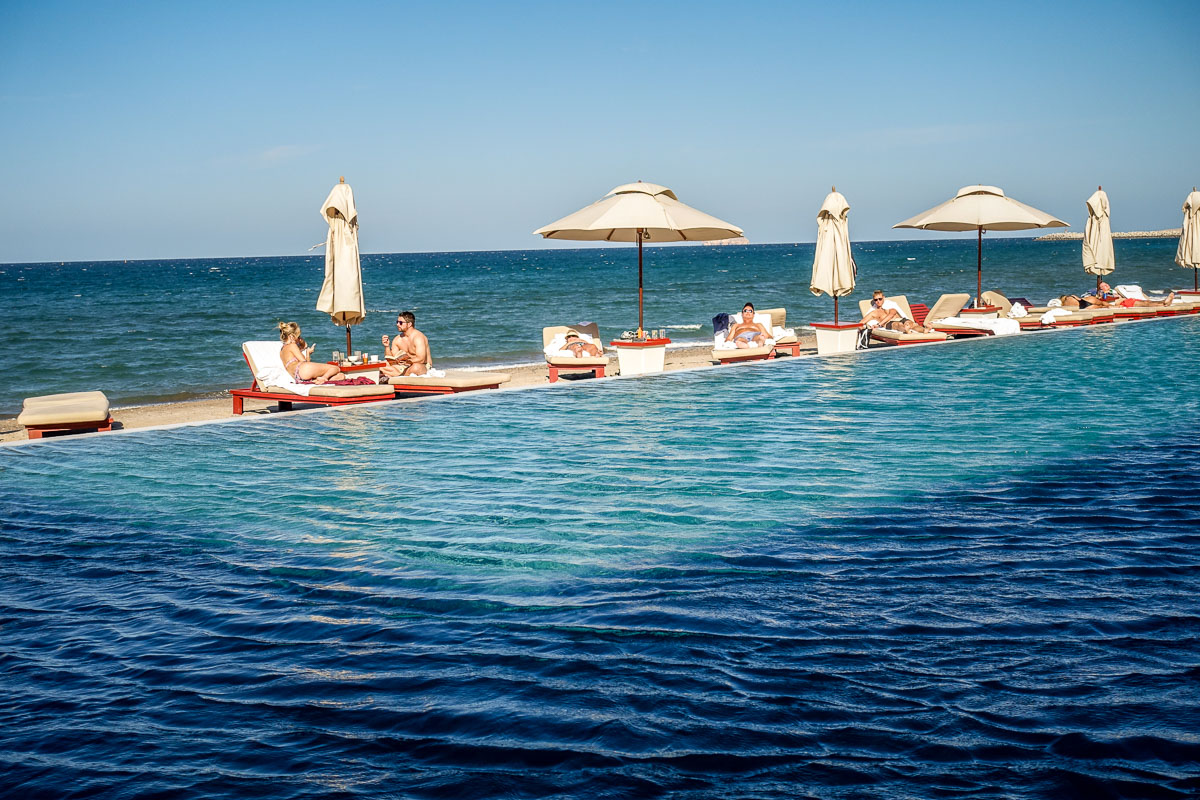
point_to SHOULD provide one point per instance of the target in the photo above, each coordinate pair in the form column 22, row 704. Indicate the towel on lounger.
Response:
column 276, row 376
column 1048, row 317
column 1017, row 311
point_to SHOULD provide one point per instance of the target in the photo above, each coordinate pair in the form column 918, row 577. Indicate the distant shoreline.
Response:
column 1169, row 233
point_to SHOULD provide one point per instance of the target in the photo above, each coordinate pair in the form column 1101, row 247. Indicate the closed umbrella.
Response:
column 1097, row 237
column 834, row 271
column 1188, row 254
column 341, row 294
column 981, row 208
column 639, row 212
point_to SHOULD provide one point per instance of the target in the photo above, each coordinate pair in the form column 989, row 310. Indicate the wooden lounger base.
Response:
column 285, row 401
column 39, row 431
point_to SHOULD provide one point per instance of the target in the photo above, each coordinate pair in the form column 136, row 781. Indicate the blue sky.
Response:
column 174, row 130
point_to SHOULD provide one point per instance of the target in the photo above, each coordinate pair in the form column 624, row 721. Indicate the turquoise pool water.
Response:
column 968, row 569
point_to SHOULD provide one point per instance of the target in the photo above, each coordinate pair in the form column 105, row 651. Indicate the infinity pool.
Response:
column 960, row 570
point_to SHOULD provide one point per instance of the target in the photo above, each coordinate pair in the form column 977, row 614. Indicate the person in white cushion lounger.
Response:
column 886, row 314
column 747, row 333
column 296, row 357
column 575, row 344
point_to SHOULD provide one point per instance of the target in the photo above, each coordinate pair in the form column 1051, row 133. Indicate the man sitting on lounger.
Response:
column 886, row 314
column 408, row 353
column 748, row 333
column 579, row 347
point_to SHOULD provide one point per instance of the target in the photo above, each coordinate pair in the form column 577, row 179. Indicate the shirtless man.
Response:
column 408, row 353
column 886, row 314
column 748, row 333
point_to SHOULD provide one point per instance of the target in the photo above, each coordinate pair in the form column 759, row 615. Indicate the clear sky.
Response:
column 174, row 130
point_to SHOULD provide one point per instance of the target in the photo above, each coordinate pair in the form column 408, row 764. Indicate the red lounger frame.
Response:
column 38, row 431
column 285, row 399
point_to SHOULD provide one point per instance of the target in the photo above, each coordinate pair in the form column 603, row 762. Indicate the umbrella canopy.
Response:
column 639, row 212
column 341, row 293
column 981, row 208
column 1098, row 256
column 1188, row 254
column 834, row 271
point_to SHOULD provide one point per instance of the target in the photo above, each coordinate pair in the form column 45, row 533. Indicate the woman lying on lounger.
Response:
column 297, row 358
column 579, row 347
column 1092, row 301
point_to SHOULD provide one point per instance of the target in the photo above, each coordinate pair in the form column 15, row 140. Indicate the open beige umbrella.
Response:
column 1188, row 254
column 639, row 212
column 834, row 271
column 341, row 294
column 981, row 208
column 1098, row 256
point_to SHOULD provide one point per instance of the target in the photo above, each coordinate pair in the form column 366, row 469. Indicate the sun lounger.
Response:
column 782, row 340
column 789, row 342
column 947, row 307
column 447, row 382
column 558, row 362
column 65, row 413
column 897, row 338
column 271, row 382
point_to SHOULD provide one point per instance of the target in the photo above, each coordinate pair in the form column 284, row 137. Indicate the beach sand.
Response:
column 221, row 407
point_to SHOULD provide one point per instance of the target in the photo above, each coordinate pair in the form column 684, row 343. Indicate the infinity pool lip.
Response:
column 976, row 340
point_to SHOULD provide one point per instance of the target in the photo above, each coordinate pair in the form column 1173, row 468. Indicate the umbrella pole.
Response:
column 640, row 327
column 979, row 271
column 348, row 348
column 835, row 322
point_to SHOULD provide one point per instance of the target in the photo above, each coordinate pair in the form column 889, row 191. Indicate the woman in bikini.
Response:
column 1087, row 301
column 579, row 347
column 297, row 358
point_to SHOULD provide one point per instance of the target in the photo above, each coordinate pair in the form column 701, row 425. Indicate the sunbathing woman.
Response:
column 748, row 333
column 1092, row 301
column 296, row 357
column 579, row 347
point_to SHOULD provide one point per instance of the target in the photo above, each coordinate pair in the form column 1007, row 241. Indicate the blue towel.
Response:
column 720, row 323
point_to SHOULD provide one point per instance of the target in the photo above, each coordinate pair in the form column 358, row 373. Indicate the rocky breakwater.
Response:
column 1169, row 233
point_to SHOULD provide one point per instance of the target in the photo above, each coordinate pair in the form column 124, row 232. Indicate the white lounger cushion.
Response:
column 454, row 378
column 58, row 409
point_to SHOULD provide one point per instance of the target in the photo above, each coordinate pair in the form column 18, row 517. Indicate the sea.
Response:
column 159, row 331
column 964, row 570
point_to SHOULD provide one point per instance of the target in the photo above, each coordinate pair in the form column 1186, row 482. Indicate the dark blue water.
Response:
column 939, row 572
column 152, row 331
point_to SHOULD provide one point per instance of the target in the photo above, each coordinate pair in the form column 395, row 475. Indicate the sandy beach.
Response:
column 221, row 407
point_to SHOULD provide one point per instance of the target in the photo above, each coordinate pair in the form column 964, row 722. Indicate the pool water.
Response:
column 924, row 572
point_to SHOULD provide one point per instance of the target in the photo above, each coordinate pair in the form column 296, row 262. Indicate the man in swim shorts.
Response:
column 886, row 314
column 747, row 333
column 408, row 353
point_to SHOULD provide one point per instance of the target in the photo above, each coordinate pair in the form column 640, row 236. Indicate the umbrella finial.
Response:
column 833, row 188
column 341, row 179
column 1099, row 188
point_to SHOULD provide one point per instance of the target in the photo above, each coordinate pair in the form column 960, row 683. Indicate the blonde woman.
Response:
column 297, row 358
